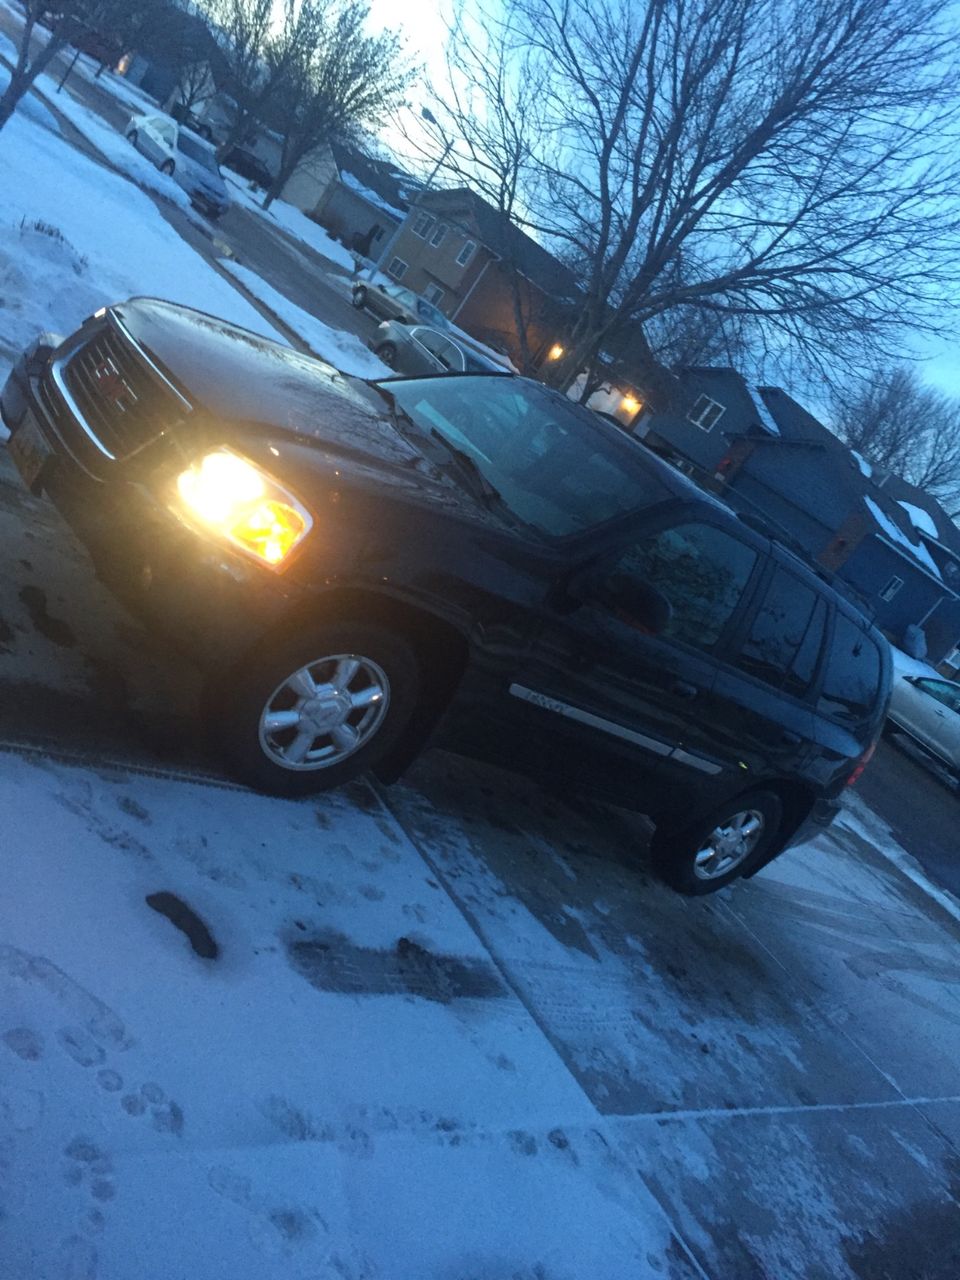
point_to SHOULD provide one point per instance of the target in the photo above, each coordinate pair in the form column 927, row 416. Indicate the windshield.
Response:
column 551, row 463
column 198, row 151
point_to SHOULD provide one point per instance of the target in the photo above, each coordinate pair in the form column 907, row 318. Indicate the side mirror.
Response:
column 637, row 602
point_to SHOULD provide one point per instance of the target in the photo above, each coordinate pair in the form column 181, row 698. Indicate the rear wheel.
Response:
column 313, row 711
column 167, row 167
column 132, row 137
column 360, row 297
column 717, row 850
column 387, row 352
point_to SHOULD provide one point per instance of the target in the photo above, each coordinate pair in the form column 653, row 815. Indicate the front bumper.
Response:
column 214, row 603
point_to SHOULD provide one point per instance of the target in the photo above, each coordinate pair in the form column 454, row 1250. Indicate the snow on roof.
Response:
column 356, row 185
column 921, row 519
column 896, row 534
column 763, row 413
column 862, row 463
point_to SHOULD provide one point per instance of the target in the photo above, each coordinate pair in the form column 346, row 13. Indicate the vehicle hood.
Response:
column 273, row 401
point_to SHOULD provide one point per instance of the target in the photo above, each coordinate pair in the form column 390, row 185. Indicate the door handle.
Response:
column 790, row 738
column 683, row 690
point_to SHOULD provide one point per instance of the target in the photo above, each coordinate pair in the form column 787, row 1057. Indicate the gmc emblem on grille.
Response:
column 111, row 384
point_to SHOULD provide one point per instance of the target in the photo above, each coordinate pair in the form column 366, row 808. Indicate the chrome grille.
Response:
column 123, row 404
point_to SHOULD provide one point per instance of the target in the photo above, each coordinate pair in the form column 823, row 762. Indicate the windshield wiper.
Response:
column 488, row 493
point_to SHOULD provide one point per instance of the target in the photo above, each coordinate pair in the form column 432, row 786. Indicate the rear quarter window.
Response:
column 851, row 682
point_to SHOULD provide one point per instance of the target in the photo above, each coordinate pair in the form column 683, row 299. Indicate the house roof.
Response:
column 378, row 181
column 495, row 230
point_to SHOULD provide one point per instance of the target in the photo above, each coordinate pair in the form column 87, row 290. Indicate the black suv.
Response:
column 471, row 561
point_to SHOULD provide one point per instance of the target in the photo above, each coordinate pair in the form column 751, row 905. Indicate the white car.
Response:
column 928, row 709
column 189, row 159
column 155, row 136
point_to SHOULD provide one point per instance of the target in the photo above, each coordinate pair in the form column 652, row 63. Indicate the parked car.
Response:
column 249, row 166
column 476, row 561
column 396, row 302
column 416, row 349
column 928, row 710
column 191, row 161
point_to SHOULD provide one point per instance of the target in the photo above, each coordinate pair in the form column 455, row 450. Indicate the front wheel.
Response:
column 710, row 854
column 387, row 352
column 360, row 298
column 311, row 712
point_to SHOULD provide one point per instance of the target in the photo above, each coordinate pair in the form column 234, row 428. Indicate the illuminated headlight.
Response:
column 235, row 499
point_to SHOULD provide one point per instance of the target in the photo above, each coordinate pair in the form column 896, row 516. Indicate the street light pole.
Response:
column 448, row 147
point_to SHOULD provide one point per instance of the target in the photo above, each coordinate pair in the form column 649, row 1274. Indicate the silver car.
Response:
column 396, row 302
column 416, row 350
column 928, row 710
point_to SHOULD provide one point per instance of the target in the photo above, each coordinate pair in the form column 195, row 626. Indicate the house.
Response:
column 770, row 458
column 463, row 255
column 359, row 199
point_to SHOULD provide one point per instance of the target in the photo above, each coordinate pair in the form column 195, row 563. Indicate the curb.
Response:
column 903, row 863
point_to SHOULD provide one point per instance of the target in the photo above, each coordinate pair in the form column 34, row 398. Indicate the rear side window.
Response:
column 701, row 570
column 785, row 636
column 852, row 678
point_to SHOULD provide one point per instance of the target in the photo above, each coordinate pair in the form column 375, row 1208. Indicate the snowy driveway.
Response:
column 452, row 1030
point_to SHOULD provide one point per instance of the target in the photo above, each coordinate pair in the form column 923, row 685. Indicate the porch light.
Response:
column 630, row 404
column 555, row 352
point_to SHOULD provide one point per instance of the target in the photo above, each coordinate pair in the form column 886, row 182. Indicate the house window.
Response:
column 433, row 293
column 397, row 268
column 891, row 589
column 953, row 658
column 466, row 253
column 439, row 232
column 706, row 413
column 423, row 225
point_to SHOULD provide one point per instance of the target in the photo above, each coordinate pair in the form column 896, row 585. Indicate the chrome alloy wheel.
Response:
column 324, row 712
column 728, row 845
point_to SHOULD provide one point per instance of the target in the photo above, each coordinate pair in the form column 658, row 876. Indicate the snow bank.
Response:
column 896, row 534
column 30, row 106
column 343, row 350
column 291, row 220
column 921, row 519
column 114, row 146
column 100, row 240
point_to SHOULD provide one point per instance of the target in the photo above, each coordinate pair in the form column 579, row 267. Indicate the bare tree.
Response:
column 899, row 424
column 243, row 30
column 118, row 19
column 338, row 80
column 790, row 166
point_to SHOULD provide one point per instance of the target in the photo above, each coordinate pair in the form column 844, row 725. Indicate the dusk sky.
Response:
column 423, row 28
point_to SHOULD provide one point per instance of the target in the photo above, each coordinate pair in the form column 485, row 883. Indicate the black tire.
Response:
column 132, row 137
column 387, row 352
column 168, row 167
column 360, row 297
column 236, row 703
column 674, row 853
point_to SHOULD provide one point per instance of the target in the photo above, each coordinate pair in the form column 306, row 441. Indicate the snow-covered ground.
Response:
column 343, row 350
column 314, row 1101
column 113, row 145
column 290, row 219
column 76, row 236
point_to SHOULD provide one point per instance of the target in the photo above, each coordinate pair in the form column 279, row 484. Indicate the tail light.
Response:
column 862, row 763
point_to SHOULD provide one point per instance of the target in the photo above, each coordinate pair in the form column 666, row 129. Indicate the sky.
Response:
column 423, row 28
